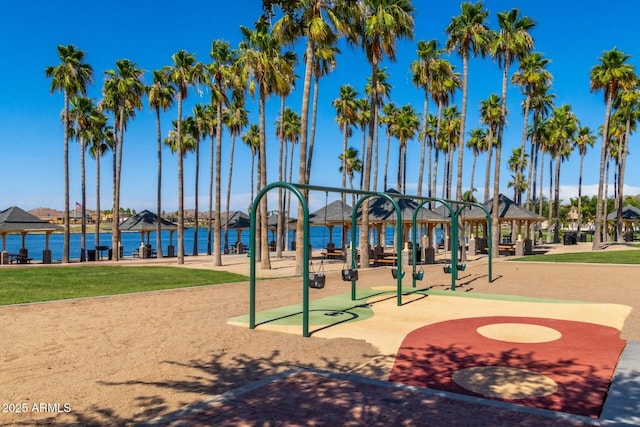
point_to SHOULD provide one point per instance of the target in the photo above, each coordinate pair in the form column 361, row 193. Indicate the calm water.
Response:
column 35, row 243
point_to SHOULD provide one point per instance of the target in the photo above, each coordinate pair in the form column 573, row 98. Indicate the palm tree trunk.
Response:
column 228, row 201
column 603, row 155
column 302, row 173
column 541, row 183
column 217, row 226
column 265, row 261
column 423, row 143
column 556, row 204
column 180, row 185
column 463, row 117
column 621, row 170
column 345, row 133
column 83, row 208
column 196, row 226
column 312, row 135
column 67, row 216
column 159, row 187
column 487, row 177
column 281, row 152
column 580, row 194
column 114, row 210
column 495, row 225
column 386, row 160
column 211, row 169
column 96, row 234
column 550, row 213
column 520, row 172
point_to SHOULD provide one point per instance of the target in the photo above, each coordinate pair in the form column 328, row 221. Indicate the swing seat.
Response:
column 447, row 269
column 394, row 273
column 316, row 280
column 418, row 275
column 461, row 267
column 349, row 275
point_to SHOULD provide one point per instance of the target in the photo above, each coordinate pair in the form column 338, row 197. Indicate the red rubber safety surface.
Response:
column 581, row 361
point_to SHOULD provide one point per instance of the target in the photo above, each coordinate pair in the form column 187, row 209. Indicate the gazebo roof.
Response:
column 146, row 221
column 334, row 212
column 238, row 220
column 381, row 210
column 16, row 220
column 508, row 210
column 629, row 213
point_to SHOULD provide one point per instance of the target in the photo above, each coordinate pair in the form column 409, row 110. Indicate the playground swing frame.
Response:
column 295, row 189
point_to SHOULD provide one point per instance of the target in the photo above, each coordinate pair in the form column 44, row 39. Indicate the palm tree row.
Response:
column 262, row 67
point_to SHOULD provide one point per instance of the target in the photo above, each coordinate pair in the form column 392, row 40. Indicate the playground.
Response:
column 133, row 358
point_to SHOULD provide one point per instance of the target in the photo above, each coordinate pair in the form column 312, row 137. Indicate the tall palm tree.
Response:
column 541, row 104
column 531, row 75
column 421, row 75
column 628, row 108
column 405, row 129
column 490, row 115
column 82, row 108
column 430, row 130
column 122, row 93
column 468, row 34
column 161, row 96
column 102, row 140
column 311, row 20
column 612, row 73
column 512, row 42
column 516, row 164
column 184, row 72
column 212, row 129
column 237, row 118
column 584, row 140
column 346, row 116
column 450, row 131
column 362, row 120
column 261, row 56
column 223, row 78
column 71, row 77
column 375, row 26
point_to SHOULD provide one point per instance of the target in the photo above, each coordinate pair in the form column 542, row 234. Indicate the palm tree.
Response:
column 541, row 105
column 311, row 20
column 517, row 163
column 82, row 109
column 585, row 139
column 70, row 77
column 477, row 143
column 122, row 95
column 212, row 129
column 467, row 33
column 490, row 112
column 223, row 78
column 406, row 128
column 161, row 96
column 237, row 118
column 384, row 92
column 530, row 76
column 628, row 108
column 349, row 160
column 511, row 43
column 430, row 131
column 612, row 73
column 184, row 72
column 346, row 110
column 252, row 139
column 376, row 25
column 363, row 116
column 197, row 129
column 102, row 140
column 421, row 75
column 261, row 57
column 450, row 131
column 388, row 118
column 563, row 127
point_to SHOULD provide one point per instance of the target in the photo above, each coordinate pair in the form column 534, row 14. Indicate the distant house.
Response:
column 47, row 214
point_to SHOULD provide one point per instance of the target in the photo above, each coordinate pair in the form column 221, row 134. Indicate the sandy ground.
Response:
column 127, row 359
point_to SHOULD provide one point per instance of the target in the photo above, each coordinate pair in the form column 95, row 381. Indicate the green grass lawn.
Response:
column 24, row 285
column 597, row 257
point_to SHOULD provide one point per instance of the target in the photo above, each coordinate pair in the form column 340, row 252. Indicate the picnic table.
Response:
column 19, row 259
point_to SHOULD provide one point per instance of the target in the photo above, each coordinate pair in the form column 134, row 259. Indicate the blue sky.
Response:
column 571, row 34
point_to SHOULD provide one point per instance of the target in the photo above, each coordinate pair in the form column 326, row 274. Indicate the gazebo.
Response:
column 146, row 222
column 238, row 221
column 630, row 220
column 508, row 212
column 335, row 214
column 15, row 220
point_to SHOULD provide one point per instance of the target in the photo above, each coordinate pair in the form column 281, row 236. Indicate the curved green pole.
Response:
column 396, row 207
column 252, row 255
column 426, row 200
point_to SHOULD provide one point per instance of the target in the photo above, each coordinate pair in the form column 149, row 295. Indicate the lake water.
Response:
column 35, row 243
